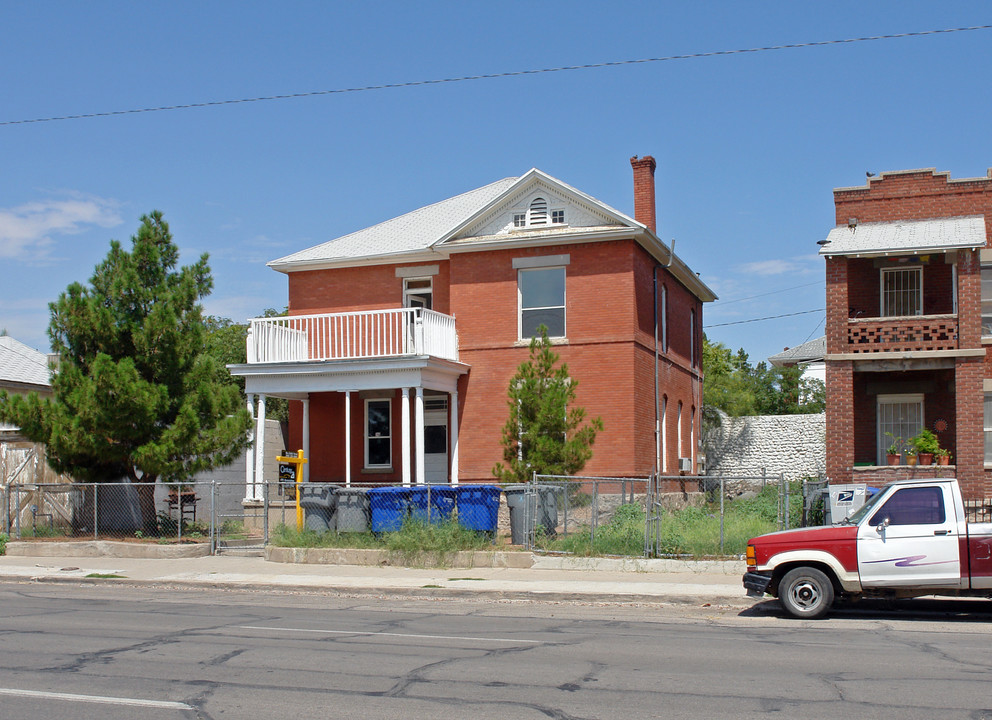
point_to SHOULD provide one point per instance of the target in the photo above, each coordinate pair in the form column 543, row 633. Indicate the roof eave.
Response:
column 919, row 250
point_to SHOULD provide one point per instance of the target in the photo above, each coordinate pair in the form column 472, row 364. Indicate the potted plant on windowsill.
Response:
column 893, row 454
column 942, row 456
column 926, row 445
column 910, row 456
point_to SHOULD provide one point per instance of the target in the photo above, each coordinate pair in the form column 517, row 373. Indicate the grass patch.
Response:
column 42, row 531
column 415, row 543
column 692, row 532
column 105, row 575
column 3, row 543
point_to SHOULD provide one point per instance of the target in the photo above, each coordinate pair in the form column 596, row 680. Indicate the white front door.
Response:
column 911, row 540
column 435, row 439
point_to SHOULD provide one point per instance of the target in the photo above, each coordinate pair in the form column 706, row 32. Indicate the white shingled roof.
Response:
column 22, row 364
column 906, row 236
column 412, row 232
column 812, row 350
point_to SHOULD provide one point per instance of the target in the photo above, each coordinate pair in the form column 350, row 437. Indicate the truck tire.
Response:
column 806, row 593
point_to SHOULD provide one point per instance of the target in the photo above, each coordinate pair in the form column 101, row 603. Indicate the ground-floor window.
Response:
column 900, row 417
column 988, row 428
column 378, row 444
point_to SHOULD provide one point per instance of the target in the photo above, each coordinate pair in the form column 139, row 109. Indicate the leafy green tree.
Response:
column 226, row 343
column 738, row 388
column 544, row 433
column 135, row 394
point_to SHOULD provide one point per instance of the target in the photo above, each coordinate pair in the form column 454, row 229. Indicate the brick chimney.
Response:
column 644, row 211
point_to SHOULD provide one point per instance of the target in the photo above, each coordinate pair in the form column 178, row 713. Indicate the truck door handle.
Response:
column 941, row 532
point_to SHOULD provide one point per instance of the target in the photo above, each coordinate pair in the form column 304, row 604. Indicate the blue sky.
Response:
column 749, row 146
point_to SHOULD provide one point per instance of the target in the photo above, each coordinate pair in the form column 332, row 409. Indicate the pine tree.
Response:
column 135, row 394
column 544, row 433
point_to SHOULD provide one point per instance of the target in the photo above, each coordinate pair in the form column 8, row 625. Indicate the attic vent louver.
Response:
column 538, row 212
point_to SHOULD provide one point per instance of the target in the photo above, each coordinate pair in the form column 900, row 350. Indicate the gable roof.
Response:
column 22, row 365
column 809, row 351
column 906, row 236
column 477, row 219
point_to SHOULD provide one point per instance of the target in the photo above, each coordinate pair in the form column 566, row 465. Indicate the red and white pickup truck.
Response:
column 909, row 539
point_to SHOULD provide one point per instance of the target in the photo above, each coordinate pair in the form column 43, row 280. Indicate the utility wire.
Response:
column 418, row 83
column 770, row 317
column 721, row 303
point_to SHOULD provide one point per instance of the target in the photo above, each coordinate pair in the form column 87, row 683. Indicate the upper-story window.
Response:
column 987, row 301
column 902, row 291
column 541, row 294
column 520, row 220
column 557, row 217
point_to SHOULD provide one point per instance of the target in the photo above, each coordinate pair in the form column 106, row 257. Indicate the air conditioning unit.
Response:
column 685, row 465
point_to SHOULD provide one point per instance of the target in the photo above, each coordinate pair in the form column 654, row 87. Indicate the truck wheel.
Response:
column 806, row 593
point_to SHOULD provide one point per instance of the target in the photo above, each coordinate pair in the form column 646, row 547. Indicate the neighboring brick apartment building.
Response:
column 909, row 325
column 402, row 338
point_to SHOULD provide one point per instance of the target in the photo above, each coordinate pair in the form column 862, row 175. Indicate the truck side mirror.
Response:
column 880, row 528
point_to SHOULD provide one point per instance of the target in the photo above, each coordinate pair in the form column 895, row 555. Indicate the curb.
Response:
column 106, row 548
column 342, row 556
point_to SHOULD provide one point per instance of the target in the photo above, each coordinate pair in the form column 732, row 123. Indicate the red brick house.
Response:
column 401, row 338
column 909, row 325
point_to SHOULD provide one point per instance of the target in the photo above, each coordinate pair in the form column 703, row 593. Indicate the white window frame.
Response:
column 409, row 293
column 388, row 438
column 882, row 441
column 563, row 306
column 557, row 216
column 888, row 272
column 986, row 300
column 987, row 425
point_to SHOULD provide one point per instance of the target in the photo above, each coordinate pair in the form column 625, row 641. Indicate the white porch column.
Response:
column 454, row 437
column 250, row 450
column 306, row 438
column 347, row 438
column 405, row 436
column 418, row 430
column 257, row 488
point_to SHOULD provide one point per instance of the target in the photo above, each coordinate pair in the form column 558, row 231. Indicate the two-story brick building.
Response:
column 402, row 338
column 909, row 325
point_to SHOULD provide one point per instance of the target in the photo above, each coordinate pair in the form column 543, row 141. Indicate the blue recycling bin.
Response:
column 478, row 507
column 432, row 503
column 389, row 507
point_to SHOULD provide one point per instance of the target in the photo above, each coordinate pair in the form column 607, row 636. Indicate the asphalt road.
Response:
column 84, row 651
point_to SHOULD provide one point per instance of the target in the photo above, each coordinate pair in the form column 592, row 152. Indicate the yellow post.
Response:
column 297, row 462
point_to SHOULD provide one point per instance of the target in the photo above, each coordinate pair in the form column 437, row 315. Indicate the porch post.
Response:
column 250, row 450
column 258, row 489
column 454, row 437
column 306, row 438
column 418, row 429
column 347, row 438
column 405, row 435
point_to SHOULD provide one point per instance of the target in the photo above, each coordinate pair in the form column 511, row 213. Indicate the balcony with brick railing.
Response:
column 352, row 336
column 902, row 334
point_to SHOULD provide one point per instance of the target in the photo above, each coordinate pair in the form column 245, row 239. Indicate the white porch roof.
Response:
column 297, row 380
column 906, row 236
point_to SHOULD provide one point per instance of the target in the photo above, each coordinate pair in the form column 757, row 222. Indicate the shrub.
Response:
column 3, row 543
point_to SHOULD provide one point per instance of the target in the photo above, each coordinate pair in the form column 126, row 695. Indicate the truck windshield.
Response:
column 861, row 513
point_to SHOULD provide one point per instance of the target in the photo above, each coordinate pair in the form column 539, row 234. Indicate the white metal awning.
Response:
column 906, row 236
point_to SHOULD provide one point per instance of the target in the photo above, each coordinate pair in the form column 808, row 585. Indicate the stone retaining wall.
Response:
column 791, row 444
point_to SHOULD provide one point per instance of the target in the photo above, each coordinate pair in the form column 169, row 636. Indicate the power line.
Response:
column 515, row 73
column 770, row 317
column 770, row 292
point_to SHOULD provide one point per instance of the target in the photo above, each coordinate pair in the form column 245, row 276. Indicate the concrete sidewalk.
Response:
column 548, row 578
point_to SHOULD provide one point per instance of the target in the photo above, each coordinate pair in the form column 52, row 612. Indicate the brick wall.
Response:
column 911, row 195
column 610, row 353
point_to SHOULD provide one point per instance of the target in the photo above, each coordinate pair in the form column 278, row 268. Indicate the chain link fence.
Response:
column 661, row 516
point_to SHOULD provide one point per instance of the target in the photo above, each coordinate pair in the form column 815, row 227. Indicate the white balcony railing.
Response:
column 352, row 335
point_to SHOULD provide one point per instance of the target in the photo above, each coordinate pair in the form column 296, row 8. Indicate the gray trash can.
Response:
column 353, row 513
column 318, row 501
column 547, row 507
column 521, row 501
